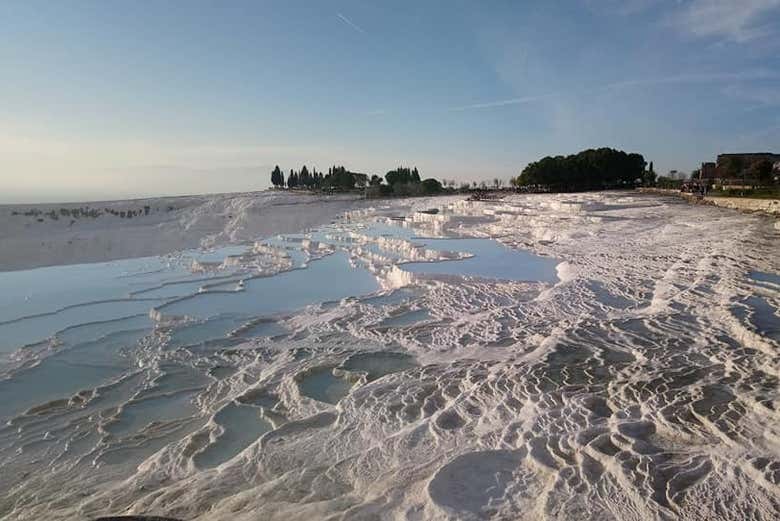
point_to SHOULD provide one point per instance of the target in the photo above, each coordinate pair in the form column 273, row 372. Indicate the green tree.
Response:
column 649, row 178
column 431, row 186
column 593, row 169
column 761, row 171
column 340, row 178
column 734, row 166
column 402, row 175
column 277, row 178
column 303, row 177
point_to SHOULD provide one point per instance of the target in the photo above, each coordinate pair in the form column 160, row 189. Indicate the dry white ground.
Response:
column 60, row 233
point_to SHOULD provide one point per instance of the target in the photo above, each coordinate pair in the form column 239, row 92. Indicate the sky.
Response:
column 116, row 99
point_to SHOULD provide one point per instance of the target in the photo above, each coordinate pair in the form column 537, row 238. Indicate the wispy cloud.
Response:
column 350, row 23
column 738, row 21
column 463, row 108
column 766, row 96
column 502, row 103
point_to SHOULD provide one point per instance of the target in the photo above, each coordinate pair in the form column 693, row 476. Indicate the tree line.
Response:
column 592, row 169
column 400, row 181
column 302, row 178
column 337, row 177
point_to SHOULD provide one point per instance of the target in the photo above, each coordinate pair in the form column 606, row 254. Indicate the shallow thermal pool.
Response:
column 378, row 367
column 491, row 259
column 94, row 315
column 330, row 278
column 111, row 363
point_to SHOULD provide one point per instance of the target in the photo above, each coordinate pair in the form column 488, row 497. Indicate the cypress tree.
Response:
column 277, row 178
column 303, row 179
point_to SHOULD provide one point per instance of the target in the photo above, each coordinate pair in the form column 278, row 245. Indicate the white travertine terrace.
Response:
column 643, row 384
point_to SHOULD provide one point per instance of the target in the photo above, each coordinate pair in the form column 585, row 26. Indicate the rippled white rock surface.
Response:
column 595, row 356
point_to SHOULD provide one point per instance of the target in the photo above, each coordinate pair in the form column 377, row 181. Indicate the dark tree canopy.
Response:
column 733, row 166
column 304, row 178
column 277, row 177
column 406, row 181
column 292, row 180
column 761, row 171
column 431, row 186
column 402, row 175
column 341, row 178
column 401, row 181
column 593, row 169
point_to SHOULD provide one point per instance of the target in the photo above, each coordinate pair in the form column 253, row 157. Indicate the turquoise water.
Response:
column 99, row 313
column 327, row 279
column 36, row 328
column 491, row 260
column 211, row 329
column 162, row 408
column 81, row 367
column 35, row 304
column 44, row 290
column 322, row 385
column 406, row 319
column 185, row 287
column 763, row 317
column 330, row 385
column 761, row 276
column 242, row 425
column 393, row 298
column 266, row 328
column 220, row 254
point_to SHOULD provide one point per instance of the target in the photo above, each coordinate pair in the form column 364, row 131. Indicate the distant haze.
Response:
column 107, row 100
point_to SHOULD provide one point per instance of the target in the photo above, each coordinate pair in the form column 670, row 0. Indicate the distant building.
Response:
column 708, row 171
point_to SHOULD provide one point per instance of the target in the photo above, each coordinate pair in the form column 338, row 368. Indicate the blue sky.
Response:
column 116, row 99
